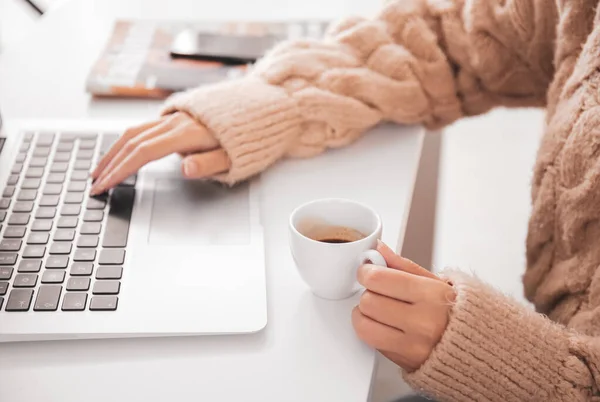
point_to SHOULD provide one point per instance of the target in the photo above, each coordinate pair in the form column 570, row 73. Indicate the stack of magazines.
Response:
column 136, row 62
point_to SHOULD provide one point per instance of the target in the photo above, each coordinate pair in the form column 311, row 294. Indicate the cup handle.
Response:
column 372, row 256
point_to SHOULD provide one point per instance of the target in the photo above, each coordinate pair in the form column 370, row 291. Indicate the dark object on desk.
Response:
column 33, row 5
column 223, row 48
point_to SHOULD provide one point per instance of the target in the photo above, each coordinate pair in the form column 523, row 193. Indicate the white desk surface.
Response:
column 308, row 351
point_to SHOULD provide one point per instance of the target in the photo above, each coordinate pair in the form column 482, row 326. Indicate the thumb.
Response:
column 205, row 164
column 395, row 261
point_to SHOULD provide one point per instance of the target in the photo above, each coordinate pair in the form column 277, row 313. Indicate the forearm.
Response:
column 418, row 62
column 497, row 350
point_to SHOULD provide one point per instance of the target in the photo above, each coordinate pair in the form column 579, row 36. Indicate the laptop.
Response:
column 156, row 256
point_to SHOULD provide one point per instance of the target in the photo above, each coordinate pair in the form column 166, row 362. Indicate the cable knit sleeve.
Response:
column 417, row 62
column 497, row 350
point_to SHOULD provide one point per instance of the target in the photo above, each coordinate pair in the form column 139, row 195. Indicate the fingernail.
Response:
column 190, row 167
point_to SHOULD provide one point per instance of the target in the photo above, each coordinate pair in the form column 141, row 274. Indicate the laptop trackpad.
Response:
column 186, row 212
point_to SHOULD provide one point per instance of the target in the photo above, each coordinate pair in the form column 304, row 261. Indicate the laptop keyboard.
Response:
column 61, row 250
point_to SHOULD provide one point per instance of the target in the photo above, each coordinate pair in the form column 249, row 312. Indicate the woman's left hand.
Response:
column 404, row 310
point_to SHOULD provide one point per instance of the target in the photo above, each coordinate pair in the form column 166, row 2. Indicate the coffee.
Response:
column 334, row 234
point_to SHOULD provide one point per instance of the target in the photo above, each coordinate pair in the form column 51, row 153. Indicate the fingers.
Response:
column 393, row 260
column 129, row 133
column 205, row 164
column 388, row 311
column 375, row 334
column 144, row 152
column 393, row 283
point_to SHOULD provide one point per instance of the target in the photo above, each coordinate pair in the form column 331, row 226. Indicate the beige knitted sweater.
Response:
column 432, row 62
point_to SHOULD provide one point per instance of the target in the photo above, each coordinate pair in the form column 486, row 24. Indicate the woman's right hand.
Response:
column 174, row 133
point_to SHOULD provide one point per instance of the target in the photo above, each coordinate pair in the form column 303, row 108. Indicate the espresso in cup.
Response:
column 335, row 234
column 331, row 238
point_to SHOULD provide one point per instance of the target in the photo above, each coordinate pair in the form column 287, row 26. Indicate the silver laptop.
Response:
column 156, row 256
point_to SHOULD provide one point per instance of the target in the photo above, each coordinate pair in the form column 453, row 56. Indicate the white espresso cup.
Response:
column 330, row 268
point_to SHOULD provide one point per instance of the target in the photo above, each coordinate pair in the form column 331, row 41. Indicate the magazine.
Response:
column 136, row 61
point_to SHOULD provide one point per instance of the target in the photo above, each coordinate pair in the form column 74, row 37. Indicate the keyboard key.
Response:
column 93, row 216
column 77, row 186
column 19, row 300
column 53, row 277
column 28, row 136
column 106, row 288
column 27, row 195
column 87, row 241
column 25, row 145
column 82, row 165
column 21, row 158
column 8, row 191
column 34, row 252
column 45, row 139
column 91, row 228
column 2, row 216
column 87, row 144
column 112, row 257
column 57, row 262
column 80, row 175
column 82, row 254
column 49, row 200
column 41, row 225
column 30, row 266
column 41, row 151
column 23, row 206
column 61, row 247
column 56, row 178
column 7, row 259
column 18, row 219
column 34, row 172
column 10, row 245
column 47, row 298
column 64, row 147
column 67, row 222
column 78, row 283
column 109, row 272
column 52, row 189
column 1, row 301
column 45, row 213
column 31, row 184
column 94, row 203
column 15, row 232
column 64, row 235
column 25, row 281
column 86, row 154
column 107, row 141
column 74, row 302
column 3, row 288
column 104, row 303
column 39, row 161
column 82, row 269
column 70, row 210
column 4, row 203
column 74, row 198
column 119, row 217
column 6, row 273
column 12, row 180
column 59, row 167
column 17, row 168
column 38, row 238
column 62, row 157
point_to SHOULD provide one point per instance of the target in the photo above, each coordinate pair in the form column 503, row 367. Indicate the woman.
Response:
column 433, row 62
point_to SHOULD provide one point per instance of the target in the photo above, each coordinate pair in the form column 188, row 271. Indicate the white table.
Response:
column 308, row 351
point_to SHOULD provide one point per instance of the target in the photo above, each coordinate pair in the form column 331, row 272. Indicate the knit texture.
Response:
column 431, row 62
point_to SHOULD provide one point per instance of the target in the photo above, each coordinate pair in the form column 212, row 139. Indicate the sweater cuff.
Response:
column 493, row 349
column 255, row 122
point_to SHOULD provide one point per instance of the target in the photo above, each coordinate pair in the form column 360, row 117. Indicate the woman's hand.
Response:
column 404, row 310
column 174, row 133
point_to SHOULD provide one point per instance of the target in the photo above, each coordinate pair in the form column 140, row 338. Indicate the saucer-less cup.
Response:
column 330, row 269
